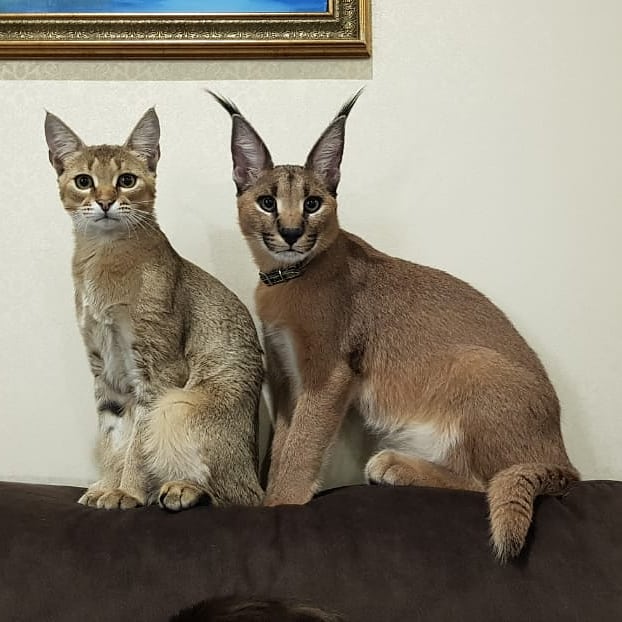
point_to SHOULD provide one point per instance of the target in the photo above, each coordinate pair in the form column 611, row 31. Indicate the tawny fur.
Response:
column 174, row 354
column 438, row 371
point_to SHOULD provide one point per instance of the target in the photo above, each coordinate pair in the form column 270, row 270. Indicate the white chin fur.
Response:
column 288, row 257
column 91, row 226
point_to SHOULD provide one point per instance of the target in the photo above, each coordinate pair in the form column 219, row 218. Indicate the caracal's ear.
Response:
column 325, row 157
column 144, row 140
column 250, row 154
column 62, row 141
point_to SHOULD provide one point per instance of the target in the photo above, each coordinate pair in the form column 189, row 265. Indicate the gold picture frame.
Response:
column 343, row 31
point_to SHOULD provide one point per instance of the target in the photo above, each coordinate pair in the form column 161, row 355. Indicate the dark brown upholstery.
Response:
column 370, row 553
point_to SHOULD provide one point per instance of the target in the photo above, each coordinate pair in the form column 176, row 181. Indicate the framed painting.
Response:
column 130, row 29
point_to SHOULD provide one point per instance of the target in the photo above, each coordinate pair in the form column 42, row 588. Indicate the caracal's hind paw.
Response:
column 383, row 468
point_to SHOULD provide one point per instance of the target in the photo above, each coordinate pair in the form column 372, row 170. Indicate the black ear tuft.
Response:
column 250, row 154
column 347, row 107
column 227, row 104
column 325, row 157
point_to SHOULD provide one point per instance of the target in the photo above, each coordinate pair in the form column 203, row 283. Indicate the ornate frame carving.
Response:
column 343, row 31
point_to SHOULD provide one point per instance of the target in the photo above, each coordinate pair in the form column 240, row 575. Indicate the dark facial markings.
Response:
column 110, row 406
column 292, row 228
column 311, row 240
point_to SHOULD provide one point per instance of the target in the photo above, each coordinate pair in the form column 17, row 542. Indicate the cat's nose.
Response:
column 291, row 235
column 105, row 205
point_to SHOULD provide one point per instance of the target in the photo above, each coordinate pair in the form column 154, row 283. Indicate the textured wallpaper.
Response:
column 266, row 69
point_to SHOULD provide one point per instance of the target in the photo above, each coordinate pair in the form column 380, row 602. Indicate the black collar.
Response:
column 274, row 277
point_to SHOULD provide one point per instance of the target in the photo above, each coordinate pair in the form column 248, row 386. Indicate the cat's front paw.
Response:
column 90, row 497
column 117, row 499
column 180, row 495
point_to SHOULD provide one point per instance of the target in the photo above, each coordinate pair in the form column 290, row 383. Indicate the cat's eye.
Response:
column 83, row 182
column 126, row 180
column 267, row 203
column 312, row 204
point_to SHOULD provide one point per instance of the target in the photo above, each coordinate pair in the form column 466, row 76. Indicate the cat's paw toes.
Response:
column 382, row 468
column 90, row 498
column 117, row 499
column 176, row 496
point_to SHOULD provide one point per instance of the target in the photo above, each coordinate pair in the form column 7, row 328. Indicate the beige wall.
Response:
column 487, row 143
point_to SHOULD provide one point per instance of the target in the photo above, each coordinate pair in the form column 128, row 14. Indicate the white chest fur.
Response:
column 282, row 344
column 108, row 331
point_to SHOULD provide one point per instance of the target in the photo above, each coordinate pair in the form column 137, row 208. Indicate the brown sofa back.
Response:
column 369, row 553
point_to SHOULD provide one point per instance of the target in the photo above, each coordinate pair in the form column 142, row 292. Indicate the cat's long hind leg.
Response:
column 399, row 469
column 195, row 447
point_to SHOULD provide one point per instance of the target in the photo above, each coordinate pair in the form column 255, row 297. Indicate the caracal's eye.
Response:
column 126, row 180
column 83, row 182
column 312, row 204
column 267, row 203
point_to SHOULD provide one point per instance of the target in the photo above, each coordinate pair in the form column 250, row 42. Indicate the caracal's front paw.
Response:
column 90, row 497
column 181, row 495
column 383, row 468
column 117, row 499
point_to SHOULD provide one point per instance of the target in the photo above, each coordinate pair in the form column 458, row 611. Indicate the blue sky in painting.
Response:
column 163, row 6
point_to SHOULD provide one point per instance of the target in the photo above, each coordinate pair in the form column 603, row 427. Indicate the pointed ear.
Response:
column 250, row 154
column 61, row 140
column 145, row 139
column 325, row 157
